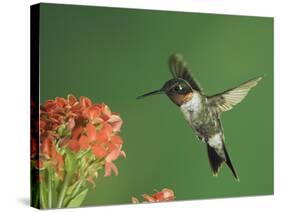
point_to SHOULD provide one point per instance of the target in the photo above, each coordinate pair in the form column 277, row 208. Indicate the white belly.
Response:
column 192, row 108
column 217, row 143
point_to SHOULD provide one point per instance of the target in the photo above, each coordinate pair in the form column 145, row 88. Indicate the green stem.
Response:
column 36, row 203
column 84, row 153
column 42, row 196
column 77, row 189
column 50, row 188
column 74, row 192
column 63, row 189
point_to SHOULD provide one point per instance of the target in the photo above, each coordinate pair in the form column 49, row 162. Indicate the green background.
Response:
column 112, row 55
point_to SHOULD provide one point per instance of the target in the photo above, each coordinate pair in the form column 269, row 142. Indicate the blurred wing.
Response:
column 226, row 100
column 179, row 69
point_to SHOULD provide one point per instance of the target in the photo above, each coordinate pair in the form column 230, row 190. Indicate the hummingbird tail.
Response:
column 216, row 161
column 229, row 164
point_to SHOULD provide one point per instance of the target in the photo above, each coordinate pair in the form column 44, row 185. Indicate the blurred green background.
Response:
column 112, row 55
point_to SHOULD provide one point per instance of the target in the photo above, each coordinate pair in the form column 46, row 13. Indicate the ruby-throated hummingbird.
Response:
column 203, row 112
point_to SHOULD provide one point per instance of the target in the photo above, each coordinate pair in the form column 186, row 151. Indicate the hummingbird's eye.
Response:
column 178, row 88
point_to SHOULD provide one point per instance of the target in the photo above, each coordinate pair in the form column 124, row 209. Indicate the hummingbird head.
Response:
column 177, row 89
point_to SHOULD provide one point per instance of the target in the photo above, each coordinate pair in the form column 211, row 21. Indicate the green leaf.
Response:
column 77, row 200
column 72, row 187
column 70, row 162
column 61, row 130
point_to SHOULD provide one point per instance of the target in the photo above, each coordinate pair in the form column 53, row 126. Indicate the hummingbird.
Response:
column 203, row 112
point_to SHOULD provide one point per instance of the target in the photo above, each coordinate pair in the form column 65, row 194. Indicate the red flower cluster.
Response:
column 160, row 196
column 79, row 126
column 77, row 138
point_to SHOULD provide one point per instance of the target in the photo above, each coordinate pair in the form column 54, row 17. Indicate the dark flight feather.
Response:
column 179, row 69
column 216, row 161
column 229, row 164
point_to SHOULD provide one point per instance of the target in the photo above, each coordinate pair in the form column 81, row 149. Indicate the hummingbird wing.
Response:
column 228, row 99
column 179, row 69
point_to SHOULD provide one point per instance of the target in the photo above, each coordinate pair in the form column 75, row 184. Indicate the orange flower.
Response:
column 168, row 194
column 91, row 131
column 85, row 101
column 34, row 147
column 71, row 100
column 99, row 151
column 74, row 145
column 92, row 112
column 84, row 142
column 60, row 102
column 70, row 123
column 135, row 200
column 110, row 166
column 77, row 132
column 39, row 164
column 148, row 198
column 104, row 133
column 49, row 152
column 165, row 195
column 77, row 145
column 48, row 148
column 87, row 131
column 79, row 125
column 116, row 122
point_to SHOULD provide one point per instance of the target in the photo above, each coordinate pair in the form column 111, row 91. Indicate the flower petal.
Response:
column 34, row 147
column 39, row 164
column 49, row 105
column 60, row 161
column 42, row 124
column 168, row 194
column 117, row 140
column 135, row 200
column 74, row 145
column 60, row 102
column 94, row 112
column 91, row 131
column 99, row 151
column 112, row 155
column 105, row 110
column 46, row 147
column 76, row 132
column 101, row 137
column 71, row 99
column 97, row 120
column 108, row 167
column 148, row 198
column 105, row 132
column 123, row 154
column 116, row 122
column 84, row 142
column 159, row 196
column 70, row 123
column 111, row 147
column 85, row 101
column 114, row 168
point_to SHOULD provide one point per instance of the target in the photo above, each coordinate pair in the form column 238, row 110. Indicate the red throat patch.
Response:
column 180, row 99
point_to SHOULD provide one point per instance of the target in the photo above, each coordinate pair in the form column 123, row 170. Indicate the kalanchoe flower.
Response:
column 78, row 137
column 161, row 196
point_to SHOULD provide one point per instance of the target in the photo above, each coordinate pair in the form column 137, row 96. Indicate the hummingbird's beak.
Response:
column 151, row 93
